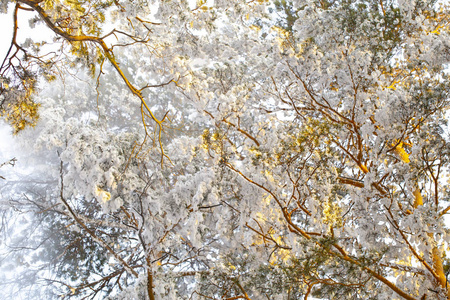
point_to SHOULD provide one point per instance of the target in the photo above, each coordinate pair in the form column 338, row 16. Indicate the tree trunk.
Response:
column 151, row 296
column 438, row 268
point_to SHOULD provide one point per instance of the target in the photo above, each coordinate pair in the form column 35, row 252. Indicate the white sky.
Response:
column 5, row 132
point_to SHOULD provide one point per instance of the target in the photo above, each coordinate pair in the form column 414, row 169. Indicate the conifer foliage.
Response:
column 229, row 150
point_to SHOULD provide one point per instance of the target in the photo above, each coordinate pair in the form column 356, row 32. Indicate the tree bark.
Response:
column 151, row 295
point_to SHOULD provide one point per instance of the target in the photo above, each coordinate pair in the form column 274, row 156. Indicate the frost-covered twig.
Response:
column 90, row 232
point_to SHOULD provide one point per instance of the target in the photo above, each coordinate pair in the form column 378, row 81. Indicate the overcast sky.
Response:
column 5, row 37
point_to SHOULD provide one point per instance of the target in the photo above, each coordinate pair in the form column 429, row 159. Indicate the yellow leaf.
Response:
column 402, row 153
column 254, row 27
column 104, row 195
column 392, row 86
column 437, row 30
column 418, row 200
